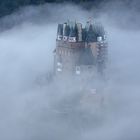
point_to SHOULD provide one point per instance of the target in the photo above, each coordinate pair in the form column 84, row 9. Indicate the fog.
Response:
column 33, row 109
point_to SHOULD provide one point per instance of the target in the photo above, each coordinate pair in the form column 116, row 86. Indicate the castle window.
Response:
column 78, row 71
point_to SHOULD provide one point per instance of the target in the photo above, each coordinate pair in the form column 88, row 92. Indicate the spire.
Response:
column 90, row 37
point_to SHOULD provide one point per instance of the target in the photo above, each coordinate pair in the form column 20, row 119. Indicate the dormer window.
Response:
column 72, row 39
column 65, row 38
column 59, row 37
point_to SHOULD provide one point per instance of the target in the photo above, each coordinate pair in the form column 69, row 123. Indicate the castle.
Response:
column 80, row 49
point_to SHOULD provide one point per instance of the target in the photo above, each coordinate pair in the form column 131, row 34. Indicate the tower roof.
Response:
column 67, row 30
column 72, row 32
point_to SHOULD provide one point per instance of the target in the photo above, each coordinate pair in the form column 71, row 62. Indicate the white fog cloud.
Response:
column 29, row 111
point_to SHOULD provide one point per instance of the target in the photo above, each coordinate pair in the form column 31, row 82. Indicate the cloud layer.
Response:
column 31, row 111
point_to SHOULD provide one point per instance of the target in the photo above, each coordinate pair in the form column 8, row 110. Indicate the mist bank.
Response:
column 30, row 111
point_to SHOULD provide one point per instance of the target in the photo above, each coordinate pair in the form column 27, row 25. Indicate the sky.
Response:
column 33, row 109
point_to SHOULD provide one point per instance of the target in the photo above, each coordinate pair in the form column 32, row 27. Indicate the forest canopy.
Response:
column 8, row 6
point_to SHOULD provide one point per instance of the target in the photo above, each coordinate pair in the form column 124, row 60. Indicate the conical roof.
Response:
column 72, row 32
column 60, row 29
column 90, row 35
column 67, row 30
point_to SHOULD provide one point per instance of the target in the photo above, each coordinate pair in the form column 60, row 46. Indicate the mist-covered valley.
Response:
column 32, row 109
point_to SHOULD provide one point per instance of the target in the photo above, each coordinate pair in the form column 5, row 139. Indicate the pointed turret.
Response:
column 72, row 35
column 90, row 35
column 66, row 31
column 60, row 32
